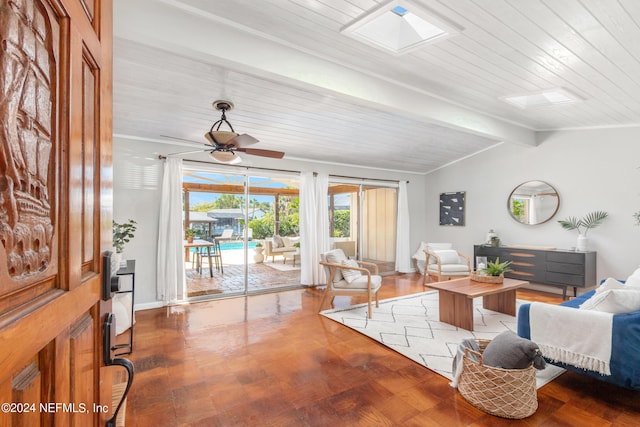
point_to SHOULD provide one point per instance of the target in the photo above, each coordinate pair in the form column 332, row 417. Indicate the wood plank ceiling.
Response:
column 302, row 87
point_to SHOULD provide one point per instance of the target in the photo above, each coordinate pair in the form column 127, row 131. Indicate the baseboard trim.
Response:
column 148, row 305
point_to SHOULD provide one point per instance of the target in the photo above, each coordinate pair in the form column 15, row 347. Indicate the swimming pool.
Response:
column 236, row 245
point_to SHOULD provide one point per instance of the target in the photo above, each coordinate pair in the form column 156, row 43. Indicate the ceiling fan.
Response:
column 224, row 145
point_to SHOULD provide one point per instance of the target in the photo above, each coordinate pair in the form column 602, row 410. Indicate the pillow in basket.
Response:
column 509, row 351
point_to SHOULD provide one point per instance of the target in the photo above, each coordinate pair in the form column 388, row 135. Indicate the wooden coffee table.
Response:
column 456, row 299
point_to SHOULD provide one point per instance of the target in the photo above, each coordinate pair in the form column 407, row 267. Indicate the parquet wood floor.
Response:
column 271, row 360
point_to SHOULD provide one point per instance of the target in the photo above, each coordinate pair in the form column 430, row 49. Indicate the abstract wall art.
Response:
column 452, row 208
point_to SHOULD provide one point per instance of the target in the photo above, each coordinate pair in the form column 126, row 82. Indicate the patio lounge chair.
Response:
column 282, row 247
column 227, row 234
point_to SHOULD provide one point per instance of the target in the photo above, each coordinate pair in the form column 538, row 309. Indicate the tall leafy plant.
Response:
column 123, row 233
column 589, row 221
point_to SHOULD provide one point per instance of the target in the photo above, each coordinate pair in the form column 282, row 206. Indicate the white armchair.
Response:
column 420, row 256
column 350, row 277
column 444, row 263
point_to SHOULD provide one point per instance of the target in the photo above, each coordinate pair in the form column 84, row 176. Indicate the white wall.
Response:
column 590, row 169
column 137, row 180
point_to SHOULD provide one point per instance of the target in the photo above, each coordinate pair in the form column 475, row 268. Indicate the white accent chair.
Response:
column 420, row 256
column 442, row 262
column 358, row 282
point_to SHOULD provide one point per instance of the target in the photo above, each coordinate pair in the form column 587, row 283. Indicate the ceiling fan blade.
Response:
column 242, row 140
column 264, row 153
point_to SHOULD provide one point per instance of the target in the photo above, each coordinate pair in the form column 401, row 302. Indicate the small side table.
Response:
column 129, row 270
column 293, row 255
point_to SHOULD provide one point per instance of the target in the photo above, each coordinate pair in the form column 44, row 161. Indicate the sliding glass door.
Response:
column 233, row 219
column 214, row 214
column 362, row 221
column 274, row 226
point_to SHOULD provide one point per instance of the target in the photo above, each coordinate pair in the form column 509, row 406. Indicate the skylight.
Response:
column 399, row 10
column 399, row 26
column 543, row 98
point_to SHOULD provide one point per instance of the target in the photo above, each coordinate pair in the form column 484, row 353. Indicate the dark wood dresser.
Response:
column 560, row 268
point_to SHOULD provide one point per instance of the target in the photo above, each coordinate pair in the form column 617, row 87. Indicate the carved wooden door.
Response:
column 55, row 209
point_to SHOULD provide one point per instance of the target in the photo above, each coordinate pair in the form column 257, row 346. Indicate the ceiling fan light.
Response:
column 219, row 137
column 224, row 156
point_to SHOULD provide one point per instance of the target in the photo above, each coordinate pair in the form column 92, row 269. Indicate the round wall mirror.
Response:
column 533, row 202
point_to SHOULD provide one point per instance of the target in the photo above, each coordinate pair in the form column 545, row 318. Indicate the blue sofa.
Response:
column 625, row 346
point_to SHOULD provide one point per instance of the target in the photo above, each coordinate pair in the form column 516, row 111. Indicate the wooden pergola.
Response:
column 188, row 187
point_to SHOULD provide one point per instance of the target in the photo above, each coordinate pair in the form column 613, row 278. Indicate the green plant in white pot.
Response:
column 123, row 233
column 589, row 221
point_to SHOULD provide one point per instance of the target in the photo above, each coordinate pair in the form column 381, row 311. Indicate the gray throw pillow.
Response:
column 509, row 351
column 277, row 242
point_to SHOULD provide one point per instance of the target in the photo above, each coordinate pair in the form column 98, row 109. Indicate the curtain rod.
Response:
column 161, row 157
column 365, row 179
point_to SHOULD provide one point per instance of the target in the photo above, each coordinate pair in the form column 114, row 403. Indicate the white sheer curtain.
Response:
column 170, row 277
column 534, row 209
column 314, row 226
column 403, row 231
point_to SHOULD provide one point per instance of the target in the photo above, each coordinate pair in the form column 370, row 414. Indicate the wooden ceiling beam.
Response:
column 263, row 191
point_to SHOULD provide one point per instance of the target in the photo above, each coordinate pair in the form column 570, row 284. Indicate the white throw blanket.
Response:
column 581, row 338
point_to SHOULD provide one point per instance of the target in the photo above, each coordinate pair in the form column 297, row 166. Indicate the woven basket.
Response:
column 506, row 393
column 487, row 279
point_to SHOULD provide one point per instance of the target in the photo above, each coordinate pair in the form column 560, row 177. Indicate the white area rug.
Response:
column 410, row 326
column 278, row 265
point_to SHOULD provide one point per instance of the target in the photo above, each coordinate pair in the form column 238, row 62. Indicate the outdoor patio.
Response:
column 262, row 276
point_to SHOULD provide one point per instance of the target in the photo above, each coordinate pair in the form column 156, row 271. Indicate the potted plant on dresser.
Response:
column 589, row 221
